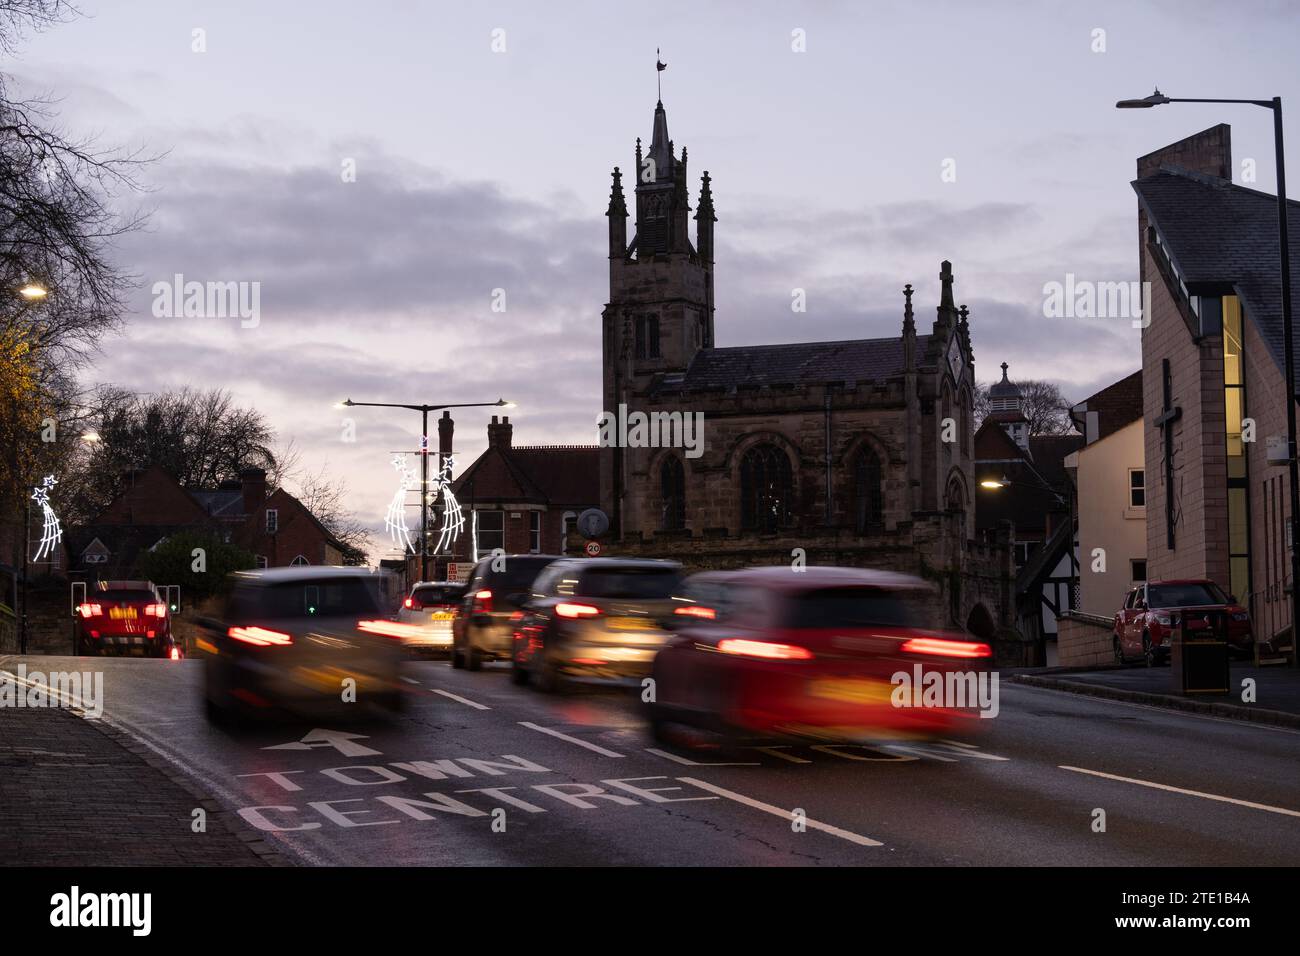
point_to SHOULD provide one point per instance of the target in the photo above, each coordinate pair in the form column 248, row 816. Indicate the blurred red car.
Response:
column 125, row 618
column 1147, row 621
column 817, row 653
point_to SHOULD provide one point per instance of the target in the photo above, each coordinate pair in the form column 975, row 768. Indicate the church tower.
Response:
column 660, row 309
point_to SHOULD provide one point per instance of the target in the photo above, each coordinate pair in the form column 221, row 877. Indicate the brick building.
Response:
column 858, row 452
column 273, row 525
column 1212, row 367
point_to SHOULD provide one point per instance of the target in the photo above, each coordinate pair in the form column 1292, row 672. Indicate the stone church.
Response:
column 858, row 452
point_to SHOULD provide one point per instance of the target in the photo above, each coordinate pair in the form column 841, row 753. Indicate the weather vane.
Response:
column 395, row 520
column 51, row 532
column 660, row 66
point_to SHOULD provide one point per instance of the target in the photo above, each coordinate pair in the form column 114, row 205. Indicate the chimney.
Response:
column 446, row 427
column 499, row 433
column 253, row 483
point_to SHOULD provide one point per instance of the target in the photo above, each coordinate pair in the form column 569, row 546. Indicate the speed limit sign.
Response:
column 592, row 548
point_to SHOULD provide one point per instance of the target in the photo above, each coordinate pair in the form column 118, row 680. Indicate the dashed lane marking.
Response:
column 1190, row 793
column 573, row 740
column 463, row 700
column 410, row 680
column 740, row 798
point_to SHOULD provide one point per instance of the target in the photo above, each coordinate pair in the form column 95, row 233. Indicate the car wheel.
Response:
column 456, row 660
column 518, row 673
column 1148, row 652
column 1119, row 650
column 473, row 659
column 546, row 676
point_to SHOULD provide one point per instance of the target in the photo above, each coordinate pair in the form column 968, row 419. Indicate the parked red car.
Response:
column 774, row 652
column 125, row 618
column 1146, row 623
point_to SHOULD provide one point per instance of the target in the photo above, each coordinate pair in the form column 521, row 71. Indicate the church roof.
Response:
column 1218, row 234
column 801, row 363
column 1004, row 388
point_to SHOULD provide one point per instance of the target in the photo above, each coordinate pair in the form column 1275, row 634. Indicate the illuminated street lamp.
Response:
column 31, row 291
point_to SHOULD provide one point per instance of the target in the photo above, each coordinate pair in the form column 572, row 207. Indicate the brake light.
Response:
column 764, row 649
column 483, row 600
column 260, row 636
column 90, row 610
column 695, row 610
column 568, row 610
column 942, row 648
column 155, row 610
column 410, row 603
column 395, row 629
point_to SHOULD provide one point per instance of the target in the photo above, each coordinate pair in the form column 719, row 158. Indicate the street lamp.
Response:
column 424, row 411
column 1288, row 345
column 33, row 291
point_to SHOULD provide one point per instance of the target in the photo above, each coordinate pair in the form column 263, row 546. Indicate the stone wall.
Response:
column 1083, row 640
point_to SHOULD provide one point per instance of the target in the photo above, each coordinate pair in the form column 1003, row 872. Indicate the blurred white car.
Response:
column 430, row 609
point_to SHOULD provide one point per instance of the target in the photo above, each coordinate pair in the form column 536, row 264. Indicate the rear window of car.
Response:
column 123, row 594
column 1184, row 595
column 855, row 607
column 518, row 574
column 328, row 597
column 639, row 583
column 447, row 594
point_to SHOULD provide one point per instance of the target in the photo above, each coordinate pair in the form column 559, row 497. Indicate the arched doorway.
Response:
column 980, row 623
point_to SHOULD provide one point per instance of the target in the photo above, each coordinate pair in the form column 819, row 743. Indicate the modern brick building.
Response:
column 1212, row 377
column 857, row 452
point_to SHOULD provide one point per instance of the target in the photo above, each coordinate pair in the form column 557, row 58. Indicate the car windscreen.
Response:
column 1185, row 595
column 855, row 607
column 321, row 597
column 125, row 594
column 518, row 574
column 645, row 584
column 447, row 594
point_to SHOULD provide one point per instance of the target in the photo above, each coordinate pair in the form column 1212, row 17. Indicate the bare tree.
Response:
column 326, row 498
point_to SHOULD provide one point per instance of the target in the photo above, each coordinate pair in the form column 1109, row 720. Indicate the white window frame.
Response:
column 534, row 532
column 261, row 561
column 1132, row 488
column 272, row 520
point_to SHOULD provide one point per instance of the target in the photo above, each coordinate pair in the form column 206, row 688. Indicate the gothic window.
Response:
column 956, row 499
column 868, row 490
column 672, row 482
column 765, row 488
column 647, row 336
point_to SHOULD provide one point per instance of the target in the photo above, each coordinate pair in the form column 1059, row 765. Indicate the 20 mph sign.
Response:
column 593, row 549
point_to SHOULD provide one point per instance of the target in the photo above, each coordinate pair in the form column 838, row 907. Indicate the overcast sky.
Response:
column 478, row 170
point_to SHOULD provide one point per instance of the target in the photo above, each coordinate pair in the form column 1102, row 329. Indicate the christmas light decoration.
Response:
column 452, row 520
column 395, row 520
column 51, row 532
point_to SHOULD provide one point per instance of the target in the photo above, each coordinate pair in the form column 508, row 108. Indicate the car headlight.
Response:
column 1165, row 619
column 1240, row 616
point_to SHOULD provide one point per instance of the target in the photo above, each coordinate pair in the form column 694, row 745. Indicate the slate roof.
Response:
column 221, row 503
column 1116, row 405
column 540, row 474
column 803, row 363
column 1220, row 233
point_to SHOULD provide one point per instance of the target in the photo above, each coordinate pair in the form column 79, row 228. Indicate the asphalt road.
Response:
column 477, row 771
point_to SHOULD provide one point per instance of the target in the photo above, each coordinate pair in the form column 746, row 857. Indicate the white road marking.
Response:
column 573, row 740
column 410, row 680
column 777, row 752
column 1190, row 793
column 695, row 763
column 463, row 700
column 857, row 838
column 340, row 740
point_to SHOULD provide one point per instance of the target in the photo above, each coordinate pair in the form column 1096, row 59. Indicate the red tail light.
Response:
column 938, row 647
column 764, row 649
column 412, row 605
column 394, row 629
column 260, row 636
column 569, row 610
column 696, row 610
column 91, row 610
column 155, row 610
column 483, row 600
column 517, row 616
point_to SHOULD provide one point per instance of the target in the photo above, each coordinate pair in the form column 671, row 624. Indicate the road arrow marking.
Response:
column 340, row 740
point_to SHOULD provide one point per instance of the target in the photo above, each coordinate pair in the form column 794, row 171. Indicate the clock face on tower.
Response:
column 954, row 358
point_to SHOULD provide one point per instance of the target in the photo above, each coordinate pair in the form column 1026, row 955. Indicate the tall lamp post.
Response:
column 1288, row 345
column 424, row 411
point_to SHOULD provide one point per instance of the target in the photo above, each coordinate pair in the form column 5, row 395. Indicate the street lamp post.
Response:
column 424, row 411
column 1288, row 345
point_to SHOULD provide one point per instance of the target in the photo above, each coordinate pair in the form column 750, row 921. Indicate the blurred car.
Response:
column 289, row 638
column 770, row 653
column 125, row 618
column 430, row 609
column 498, row 587
column 599, row 619
column 1146, row 623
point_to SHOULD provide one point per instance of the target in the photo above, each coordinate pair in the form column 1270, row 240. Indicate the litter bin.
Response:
column 1198, row 657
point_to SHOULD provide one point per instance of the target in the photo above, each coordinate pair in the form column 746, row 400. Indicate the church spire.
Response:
column 617, row 214
column 947, row 311
column 909, row 330
column 661, row 150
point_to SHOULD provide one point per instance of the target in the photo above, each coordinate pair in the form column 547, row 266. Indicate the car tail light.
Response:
column 91, row 610
column 517, row 616
column 764, row 649
column 260, row 636
column 412, row 604
column 155, row 610
column 483, row 600
column 175, row 654
column 938, row 647
column 394, row 629
column 696, row 610
column 570, row 610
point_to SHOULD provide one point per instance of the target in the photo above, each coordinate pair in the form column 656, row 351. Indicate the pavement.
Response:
column 77, row 792
column 477, row 771
column 1273, row 699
